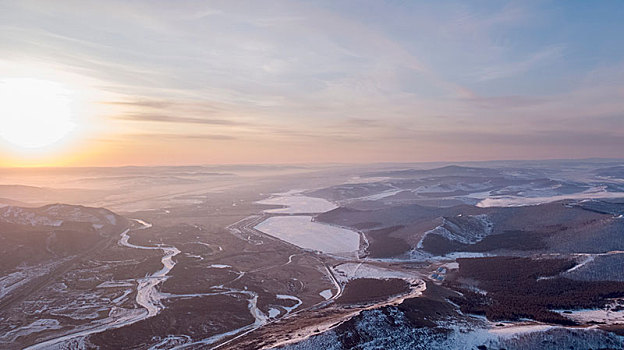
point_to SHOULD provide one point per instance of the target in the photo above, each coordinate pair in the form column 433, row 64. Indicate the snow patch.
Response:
column 517, row 201
column 273, row 312
column 290, row 297
column 35, row 327
column 115, row 284
column 463, row 229
column 326, row 294
column 350, row 271
column 219, row 266
column 612, row 313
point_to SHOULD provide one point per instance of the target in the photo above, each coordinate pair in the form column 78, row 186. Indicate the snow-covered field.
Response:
column 611, row 314
column 25, row 274
column 380, row 195
column 303, row 232
column 378, row 330
column 517, row 201
column 37, row 326
column 351, row 271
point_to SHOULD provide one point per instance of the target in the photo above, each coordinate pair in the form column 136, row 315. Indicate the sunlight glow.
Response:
column 34, row 113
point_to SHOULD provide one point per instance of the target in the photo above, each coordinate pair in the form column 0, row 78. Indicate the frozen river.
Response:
column 147, row 293
column 147, row 297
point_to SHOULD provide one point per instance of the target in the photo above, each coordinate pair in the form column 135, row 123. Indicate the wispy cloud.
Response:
column 286, row 73
column 141, row 103
column 547, row 55
column 185, row 136
column 174, row 119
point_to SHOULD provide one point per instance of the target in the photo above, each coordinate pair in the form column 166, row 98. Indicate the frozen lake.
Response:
column 303, row 232
column 297, row 204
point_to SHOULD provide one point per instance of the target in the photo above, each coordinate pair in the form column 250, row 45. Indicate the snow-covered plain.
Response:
column 303, row 232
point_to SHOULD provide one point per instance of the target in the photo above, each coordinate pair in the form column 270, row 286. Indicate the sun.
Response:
column 34, row 113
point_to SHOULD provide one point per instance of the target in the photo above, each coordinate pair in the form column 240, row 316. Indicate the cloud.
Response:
column 141, row 103
column 185, row 136
column 546, row 55
column 362, row 122
column 178, row 120
column 507, row 102
column 296, row 72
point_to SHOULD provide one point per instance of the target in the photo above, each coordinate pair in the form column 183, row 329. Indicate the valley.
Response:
column 265, row 264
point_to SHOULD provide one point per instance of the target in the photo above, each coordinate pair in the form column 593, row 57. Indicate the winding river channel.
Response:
column 148, row 297
column 147, row 294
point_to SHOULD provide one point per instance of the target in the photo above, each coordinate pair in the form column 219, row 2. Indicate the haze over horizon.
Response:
column 194, row 82
column 296, row 175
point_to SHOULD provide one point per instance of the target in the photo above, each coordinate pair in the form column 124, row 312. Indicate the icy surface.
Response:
column 23, row 275
column 380, row 195
column 148, row 297
column 350, row 271
column 305, row 233
column 290, row 297
column 220, row 266
column 115, row 284
column 327, row 293
column 298, row 204
column 273, row 312
column 35, row 327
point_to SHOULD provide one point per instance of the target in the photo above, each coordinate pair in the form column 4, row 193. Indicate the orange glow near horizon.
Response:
column 303, row 82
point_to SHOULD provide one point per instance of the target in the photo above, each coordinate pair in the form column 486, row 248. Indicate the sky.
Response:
column 212, row 82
